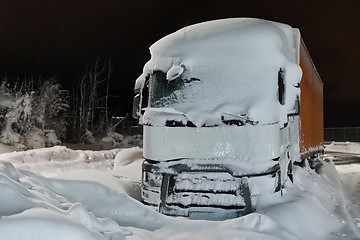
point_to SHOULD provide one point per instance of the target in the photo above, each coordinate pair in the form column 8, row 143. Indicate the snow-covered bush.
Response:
column 17, row 121
column 51, row 104
column 87, row 138
column 35, row 139
column 117, row 138
column 51, row 138
column 29, row 110
column 135, row 140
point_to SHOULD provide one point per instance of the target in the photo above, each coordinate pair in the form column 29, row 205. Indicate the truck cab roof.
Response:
column 222, row 69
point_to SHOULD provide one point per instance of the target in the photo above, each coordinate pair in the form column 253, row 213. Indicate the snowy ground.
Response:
column 59, row 193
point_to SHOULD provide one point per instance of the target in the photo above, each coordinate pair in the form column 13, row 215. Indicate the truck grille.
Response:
column 205, row 189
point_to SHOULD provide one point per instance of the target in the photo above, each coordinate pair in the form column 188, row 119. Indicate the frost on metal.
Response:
column 223, row 70
column 187, row 199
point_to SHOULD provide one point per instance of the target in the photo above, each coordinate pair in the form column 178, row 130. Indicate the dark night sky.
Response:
column 60, row 38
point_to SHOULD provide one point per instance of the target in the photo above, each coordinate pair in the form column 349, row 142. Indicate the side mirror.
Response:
column 281, row 86
column 136, row 106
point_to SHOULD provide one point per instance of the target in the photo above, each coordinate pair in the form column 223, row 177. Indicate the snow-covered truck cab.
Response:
column 219, row 102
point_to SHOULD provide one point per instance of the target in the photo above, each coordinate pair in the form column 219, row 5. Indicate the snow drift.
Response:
column 88, row 198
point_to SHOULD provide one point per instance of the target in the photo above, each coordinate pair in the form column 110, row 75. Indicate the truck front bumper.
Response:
column 202, row 189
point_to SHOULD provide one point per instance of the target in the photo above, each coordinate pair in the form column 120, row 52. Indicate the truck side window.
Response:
column 160, row 88
column 281, row 86
column 145, row 94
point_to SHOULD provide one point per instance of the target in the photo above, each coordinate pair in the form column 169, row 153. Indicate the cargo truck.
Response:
column 227, row 108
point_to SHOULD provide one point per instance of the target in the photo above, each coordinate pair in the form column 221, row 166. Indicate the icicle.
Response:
column 284, row 163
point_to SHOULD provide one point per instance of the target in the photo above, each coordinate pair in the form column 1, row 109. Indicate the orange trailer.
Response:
column 311, row 107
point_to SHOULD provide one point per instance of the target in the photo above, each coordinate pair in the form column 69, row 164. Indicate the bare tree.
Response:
column 90, row 102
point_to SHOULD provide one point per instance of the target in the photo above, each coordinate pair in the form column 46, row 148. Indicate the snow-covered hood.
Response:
column 229, row 69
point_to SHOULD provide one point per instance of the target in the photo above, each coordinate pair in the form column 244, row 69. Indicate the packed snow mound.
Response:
column 344, row 147
column 60, row 158
column 6, row 148
column 223, row 69
column 80, row 202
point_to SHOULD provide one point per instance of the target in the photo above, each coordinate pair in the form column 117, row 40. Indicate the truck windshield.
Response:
column 163, row 93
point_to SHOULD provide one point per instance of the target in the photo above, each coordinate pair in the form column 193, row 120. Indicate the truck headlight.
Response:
column 152, row 179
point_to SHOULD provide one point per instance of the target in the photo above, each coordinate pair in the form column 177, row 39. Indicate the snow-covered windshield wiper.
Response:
column 234, row 119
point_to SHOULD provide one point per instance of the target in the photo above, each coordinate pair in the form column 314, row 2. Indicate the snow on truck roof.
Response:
column 224, row 69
